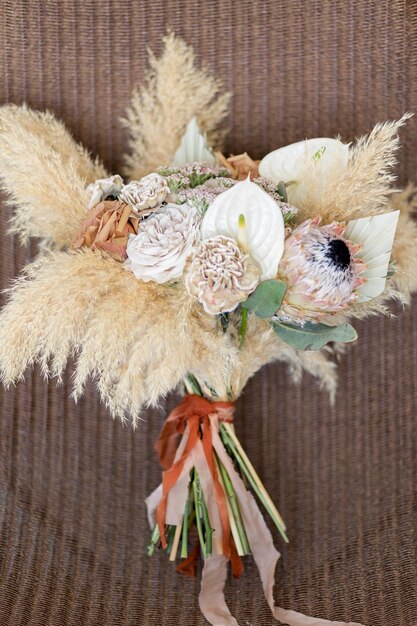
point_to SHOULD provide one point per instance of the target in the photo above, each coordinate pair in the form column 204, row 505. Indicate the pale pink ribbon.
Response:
column 211, row 599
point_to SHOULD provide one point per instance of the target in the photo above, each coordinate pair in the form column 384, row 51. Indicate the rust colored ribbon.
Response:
column 194, row 412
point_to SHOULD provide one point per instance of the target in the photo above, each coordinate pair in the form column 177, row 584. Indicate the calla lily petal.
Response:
column 263, row 222
column 288, row 163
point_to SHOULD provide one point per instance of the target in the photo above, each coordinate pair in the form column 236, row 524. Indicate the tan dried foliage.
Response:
column 44, row 172
column 176, row 90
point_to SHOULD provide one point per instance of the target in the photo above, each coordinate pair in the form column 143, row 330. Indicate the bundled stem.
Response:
column 196, row 510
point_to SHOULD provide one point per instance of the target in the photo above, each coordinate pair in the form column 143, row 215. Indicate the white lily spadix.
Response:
column 193, row 147
column 376, row 236
column 263, row 222
column 290, row 162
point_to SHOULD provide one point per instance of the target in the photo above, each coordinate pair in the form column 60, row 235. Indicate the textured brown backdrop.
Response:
column 72, row 519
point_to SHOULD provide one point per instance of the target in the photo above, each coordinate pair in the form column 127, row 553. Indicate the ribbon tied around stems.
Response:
column 193, row 419
column 197, row 419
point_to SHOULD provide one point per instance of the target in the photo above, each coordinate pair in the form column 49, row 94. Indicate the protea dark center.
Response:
column 338, row 253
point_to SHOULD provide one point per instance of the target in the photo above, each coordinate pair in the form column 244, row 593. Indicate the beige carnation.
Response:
column 219, row 275
column 146, row 195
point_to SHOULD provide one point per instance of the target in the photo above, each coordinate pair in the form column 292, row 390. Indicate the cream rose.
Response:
column 159, row 251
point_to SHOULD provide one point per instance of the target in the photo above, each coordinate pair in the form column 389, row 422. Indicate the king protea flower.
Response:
column 327, row 268
column 322, row 272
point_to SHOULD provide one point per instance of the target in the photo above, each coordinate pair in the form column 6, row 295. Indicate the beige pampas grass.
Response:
column 138, row 340
column 44, row 171
column 364, row 187
column 176, row 90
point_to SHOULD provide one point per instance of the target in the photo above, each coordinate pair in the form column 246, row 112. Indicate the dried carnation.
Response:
column 219, row 275
column 146, row 195
column 322, row 271
column 103, row 188
column 165, row 239
column 107, row 227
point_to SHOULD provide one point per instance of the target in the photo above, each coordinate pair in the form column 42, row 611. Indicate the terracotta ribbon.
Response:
column 194, row 415
column 197, row 420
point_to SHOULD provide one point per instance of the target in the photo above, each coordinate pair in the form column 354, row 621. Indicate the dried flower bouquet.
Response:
column 212, row 267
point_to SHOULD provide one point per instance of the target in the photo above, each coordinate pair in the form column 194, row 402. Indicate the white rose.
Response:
column 159, row 251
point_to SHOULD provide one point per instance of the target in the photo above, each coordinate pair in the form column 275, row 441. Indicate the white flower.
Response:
column 145, row 195
column 165, row 239
column 289, row 163
column 264, row 224
column 103, row 188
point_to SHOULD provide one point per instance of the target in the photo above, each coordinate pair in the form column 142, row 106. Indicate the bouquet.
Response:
column 197, row 269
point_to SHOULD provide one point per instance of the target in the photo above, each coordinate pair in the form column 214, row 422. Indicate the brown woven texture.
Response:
column 73, row 529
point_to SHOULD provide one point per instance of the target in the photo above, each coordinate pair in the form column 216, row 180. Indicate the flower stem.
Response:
column 243, row 327
column 199, row 513
column 184, row 539
column 154, row 540
column 228, row 436
column 237, row 525
column 192, row 385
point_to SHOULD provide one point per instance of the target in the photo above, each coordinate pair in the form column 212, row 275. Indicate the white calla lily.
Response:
column 193, row 147
column 289, row 163
column 262, row 220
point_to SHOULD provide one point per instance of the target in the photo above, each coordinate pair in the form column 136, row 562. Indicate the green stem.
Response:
column 192, row 385
column 154, row 540
column 243, row 326
column 234, row 505
column 233, row 444
column 198, row 513
column 184, row 539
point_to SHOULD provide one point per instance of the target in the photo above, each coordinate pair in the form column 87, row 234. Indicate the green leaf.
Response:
column 314, row 336
column 266, row 299
column 282, row 190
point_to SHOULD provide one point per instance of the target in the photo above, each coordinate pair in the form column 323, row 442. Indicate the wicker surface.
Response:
column 73, row 527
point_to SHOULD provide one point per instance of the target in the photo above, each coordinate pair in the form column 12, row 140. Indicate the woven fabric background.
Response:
column 73, row 528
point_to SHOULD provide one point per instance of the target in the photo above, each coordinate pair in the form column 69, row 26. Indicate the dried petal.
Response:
column 219, row 275
column 146, row 195
column 165, row 239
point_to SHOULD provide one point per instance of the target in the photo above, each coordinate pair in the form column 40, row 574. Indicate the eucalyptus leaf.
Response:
column 266, row 299
column 314, row 336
